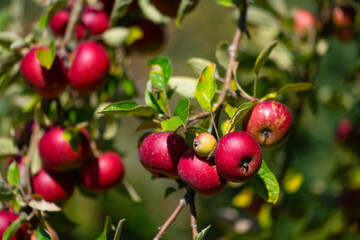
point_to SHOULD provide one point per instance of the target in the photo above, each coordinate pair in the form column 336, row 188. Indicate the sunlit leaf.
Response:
column 14, row 226
column 162, row 101
column 263, row 56
column 197, row 65
column 106, row 229
column 43, row 205
column 226, row 3
column 172, row 124
column 128, row 108
column 115, row 37
column 182, row 110
column 161, row 70
column 230, row 110
column 184, row 86
column 206, row 87
column 46, row 56
column 240, row 114
column 296, row 87
column 13, row 175
column 201, row 235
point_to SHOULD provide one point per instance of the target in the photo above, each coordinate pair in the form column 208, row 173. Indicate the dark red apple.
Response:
column 237, row 156
column 61, row 150
column 160, row 152
column 80, row 32
column 304, row 20
column 269, row 123
column 59, row 22
column 152, row 39
column 47, row 83
column 200, row 174
column 6, row 218
column 95, row 21
column 169, row 7
column 102, row 173
column 89, row 67
column 53, row 186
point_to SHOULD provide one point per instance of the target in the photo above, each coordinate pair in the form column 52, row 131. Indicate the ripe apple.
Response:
column 6, row 218
column 152, row 39
column 200, row 174
column 62, row 150
column 203, row 144
column 269, row 123
column 102, row 173
column 89, row 67
column 59, row 22
column 160, row 152
column 169, row 7
column 237, row 156
column 47, row 83
column 343, row 19
column 53, row 186
column 95, row 21
column 304, row 20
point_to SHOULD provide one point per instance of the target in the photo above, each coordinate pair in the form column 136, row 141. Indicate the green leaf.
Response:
column 189, row 138
column 106, row 229
column 15, row 226
column 182, row 110
column 46, row 56
column 51, row 11
column 161, row 70
column 206, row 87
column 184, row 8
column 172, row 124
column 266, row 184
column 169, row 191
column 151, row 13
column 197, row 65
column 7, row 38
column 201, row 235
column 292, row 87
column 222, row 54
column 263, row 56
column 5, row 192
column 115, row 37
column 150, row 99
column 13, row 175
column 184, row 86
column 127, row 188
column 118, row 229
column 226, row 3
column 119, row 10
column 240, row 114
column 162, row 101
column 128, row 108
column 129, row 87
column 42, row 233
column 230, row 110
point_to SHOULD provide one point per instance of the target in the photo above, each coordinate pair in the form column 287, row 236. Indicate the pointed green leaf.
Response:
column 226, row 3
column 46, row 56
column 230, row 110
column 266, row 184
column 119, row 9
column 222, row 54
column 135, row 33
column 263, row 56
column 201, row 235
column 118, row 230
column 15, row 226
column 13, row 175
column 296, row 87
column 5, row 192
column 128, row 108
column 182, row 110
column 42, row 233
column 206, row 87
column 51, row 11
column 172, row 124
column 150, row 99
column 184, row 8
column 106, row 229
column 240, row 114
column 161, row 70
column 162, row 101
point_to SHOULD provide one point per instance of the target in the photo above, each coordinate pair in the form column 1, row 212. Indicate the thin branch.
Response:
column 191, row 201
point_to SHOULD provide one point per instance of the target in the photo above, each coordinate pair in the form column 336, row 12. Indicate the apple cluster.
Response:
column 208, row 165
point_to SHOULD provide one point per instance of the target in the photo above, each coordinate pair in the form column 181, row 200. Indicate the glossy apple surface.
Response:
column 160, row 153
column 95, row 21
column 59, row 22
column 200, row 174
column 237, row 156
column 6, row 218
column 102, row 173
column 47, row 83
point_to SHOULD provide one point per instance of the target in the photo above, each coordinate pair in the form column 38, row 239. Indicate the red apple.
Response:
column 59, row 22
column 53, row 186
column 102, row 173
column 80, row 32
column 304, row 20
column 343, row 16
column 61, row 151
column 200, row 174
column 237, row 156
column 95, row 21
column 48, row 83
column 160, row 152
column 152, row 39
column 89, row 68
column 6, row 218
column 169, row 7
column 269, row 123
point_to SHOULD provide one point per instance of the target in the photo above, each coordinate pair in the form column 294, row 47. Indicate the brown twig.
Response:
column 172, row 218
column 191, row 201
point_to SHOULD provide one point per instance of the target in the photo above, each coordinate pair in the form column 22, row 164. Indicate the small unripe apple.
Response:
column 47, row 83
column 203, row 144
column 160, row 152
column 59, row 22
column 237, row 156
column 53, row 186
column 89, row 67
column 200, row 174
column 61, row 150
column 304, row 20
column 95, row 21
column 102, row 173
column 169, row 7
column 6, row 218
column 269, row 123
column 153, row 36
